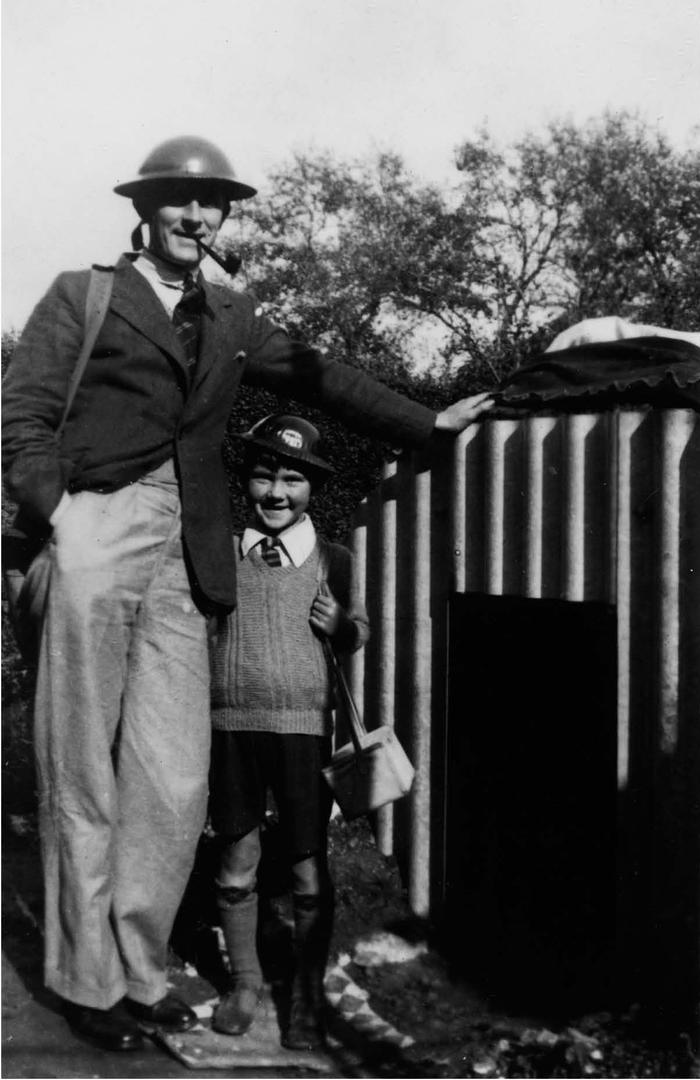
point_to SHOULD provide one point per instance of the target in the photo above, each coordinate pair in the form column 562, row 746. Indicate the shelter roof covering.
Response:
column 646, row 370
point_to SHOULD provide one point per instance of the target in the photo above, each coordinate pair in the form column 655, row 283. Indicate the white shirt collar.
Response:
column 166, row 282
column 156, row 269
column 297, row 542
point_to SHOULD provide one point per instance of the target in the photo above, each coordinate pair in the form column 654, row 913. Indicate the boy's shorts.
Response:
column 246, row 764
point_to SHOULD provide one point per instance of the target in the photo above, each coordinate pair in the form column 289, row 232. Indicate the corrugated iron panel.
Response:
column 578, row 507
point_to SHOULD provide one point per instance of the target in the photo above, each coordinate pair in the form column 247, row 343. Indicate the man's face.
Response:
column 279, row 495
column 182, row 213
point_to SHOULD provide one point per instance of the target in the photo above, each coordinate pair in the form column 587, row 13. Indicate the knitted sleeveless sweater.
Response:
column 269, row 672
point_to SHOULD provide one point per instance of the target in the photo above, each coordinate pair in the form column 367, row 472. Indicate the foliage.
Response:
column 9, row 342
column 470, row 280
column 597, row 220
column 355, row 258
column 16, row 680
column 439, row 292
column 357, row 461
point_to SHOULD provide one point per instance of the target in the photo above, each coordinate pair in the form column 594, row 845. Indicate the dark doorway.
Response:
column 530, row 798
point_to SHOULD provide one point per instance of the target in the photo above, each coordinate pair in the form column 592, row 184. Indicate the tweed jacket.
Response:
column 133, row 409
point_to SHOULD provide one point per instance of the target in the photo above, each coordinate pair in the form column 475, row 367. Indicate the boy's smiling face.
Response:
column 278, row 494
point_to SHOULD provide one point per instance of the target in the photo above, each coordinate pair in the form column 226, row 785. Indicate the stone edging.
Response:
column 352, row 1004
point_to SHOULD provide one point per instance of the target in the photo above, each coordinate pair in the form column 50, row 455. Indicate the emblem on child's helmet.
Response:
column 290, row 437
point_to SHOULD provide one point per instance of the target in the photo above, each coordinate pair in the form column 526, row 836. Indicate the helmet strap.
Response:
column 137, row 240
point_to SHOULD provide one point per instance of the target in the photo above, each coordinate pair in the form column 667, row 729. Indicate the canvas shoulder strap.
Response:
column 323, row 561
column 96, row 304
column 328, row 566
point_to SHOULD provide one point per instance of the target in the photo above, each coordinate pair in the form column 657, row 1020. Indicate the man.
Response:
column 137, row 498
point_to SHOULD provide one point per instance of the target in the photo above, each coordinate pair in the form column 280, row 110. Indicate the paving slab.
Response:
column 260, row 1047
column 38, row 1043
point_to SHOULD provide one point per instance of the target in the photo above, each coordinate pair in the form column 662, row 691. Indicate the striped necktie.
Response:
column 187, row 318
column 270, row 551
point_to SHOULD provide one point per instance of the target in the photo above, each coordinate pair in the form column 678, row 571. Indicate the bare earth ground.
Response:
column 389, row 956
column 457, row 1031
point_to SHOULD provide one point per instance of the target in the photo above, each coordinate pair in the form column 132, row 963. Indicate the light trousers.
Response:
column 122, row 739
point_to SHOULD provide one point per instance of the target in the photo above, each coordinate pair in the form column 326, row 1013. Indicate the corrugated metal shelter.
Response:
column 589, row 508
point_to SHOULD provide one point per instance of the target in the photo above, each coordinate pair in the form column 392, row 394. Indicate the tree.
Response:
column 469, row 280
column 9, row 343
column 343, row 254
column 331, row 251
column 580, row 222
column 440, row 292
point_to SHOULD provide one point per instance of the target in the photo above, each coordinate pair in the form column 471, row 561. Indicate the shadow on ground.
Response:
column 395, row 980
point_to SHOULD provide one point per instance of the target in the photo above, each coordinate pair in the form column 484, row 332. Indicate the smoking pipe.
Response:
column 230, row 263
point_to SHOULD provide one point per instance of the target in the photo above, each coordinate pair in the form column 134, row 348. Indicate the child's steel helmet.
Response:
column 288, row 437
column 186, row 158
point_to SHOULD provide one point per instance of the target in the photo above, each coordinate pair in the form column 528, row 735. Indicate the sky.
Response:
column 89, row 87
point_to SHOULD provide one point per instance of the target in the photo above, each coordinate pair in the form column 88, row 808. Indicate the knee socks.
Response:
column 238, row 913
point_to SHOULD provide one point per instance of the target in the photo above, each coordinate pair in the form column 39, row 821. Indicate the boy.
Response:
column 272, row 703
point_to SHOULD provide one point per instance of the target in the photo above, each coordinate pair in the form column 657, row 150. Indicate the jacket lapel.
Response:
column 134, row 300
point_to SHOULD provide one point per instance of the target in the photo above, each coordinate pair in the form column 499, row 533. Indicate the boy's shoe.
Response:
column 110, row 1029
column 169, row 1014
column 313, row 920
column 236, row 1011
column 305, row 1029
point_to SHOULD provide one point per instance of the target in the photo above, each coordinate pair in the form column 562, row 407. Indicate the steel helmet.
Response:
column 186, row 158
column 289, row 437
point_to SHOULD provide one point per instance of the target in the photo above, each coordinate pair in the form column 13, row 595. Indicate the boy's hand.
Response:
column 327, row 616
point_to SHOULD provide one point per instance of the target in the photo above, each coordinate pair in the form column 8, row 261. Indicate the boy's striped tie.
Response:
column 269, row 551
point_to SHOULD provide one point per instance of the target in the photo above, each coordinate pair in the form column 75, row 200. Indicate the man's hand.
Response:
column 461, row 414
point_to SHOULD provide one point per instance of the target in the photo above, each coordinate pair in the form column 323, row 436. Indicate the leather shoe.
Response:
column 169, row 1013
column 110, row 1029
column 305, row 1029
column 235, row 1012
